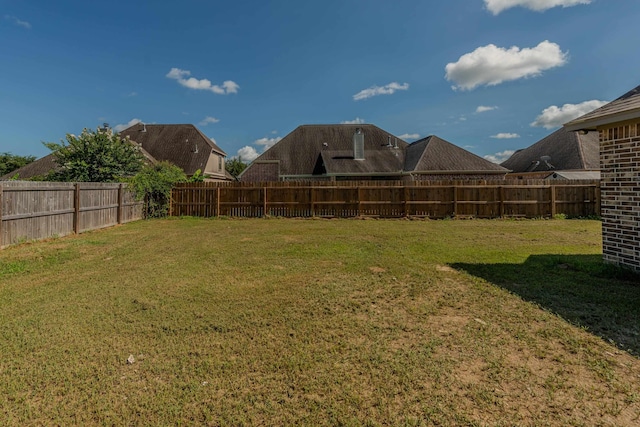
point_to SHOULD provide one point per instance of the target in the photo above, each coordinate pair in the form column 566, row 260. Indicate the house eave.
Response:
column 400, row 173
column 596, row 122
column 459, row 172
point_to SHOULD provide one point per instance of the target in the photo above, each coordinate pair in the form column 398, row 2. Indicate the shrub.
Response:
column 95, row 156
column 154, row 183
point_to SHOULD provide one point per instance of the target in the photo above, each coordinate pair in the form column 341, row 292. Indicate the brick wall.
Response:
column 261, row 172
column 620, row 168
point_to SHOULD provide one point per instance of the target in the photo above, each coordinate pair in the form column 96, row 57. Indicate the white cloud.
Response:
column 554, row 116
column 182, row 76
column 267, row 143
column 497, row 6
column 499, row 157
column 485, row 108
column 408, row 136
column 121, row 127
column 18, row 22
column 247, row 154
column 132, row 94
column 356, row 121
column 491, row 65
column 504, row 135
column 208, row 120
column 389, row 89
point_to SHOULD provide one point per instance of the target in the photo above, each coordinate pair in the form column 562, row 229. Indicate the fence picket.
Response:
column 39, row 210
column 433, row 199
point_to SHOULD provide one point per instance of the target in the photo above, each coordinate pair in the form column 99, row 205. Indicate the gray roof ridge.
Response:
column 578, row 142
column 208, row 140
column 427, row 141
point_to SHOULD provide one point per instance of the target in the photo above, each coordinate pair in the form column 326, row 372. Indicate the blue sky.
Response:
column 491, row 76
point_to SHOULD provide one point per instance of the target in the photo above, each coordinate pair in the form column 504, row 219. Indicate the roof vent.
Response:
column 195, row 146
column 358, row 145
column 546, row 160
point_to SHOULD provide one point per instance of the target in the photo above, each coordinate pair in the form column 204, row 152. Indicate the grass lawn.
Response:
column 320, row 322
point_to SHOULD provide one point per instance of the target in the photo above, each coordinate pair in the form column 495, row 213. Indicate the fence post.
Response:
column 312, row 197
column 501, row 189
column 553, row 201
column 264, row 202
column 120, row 207
column 455, row 200
column 405, row 205
column 172, row 205
column 76, row 207
column 359, row 204
column 218, row 201
column 1, row 234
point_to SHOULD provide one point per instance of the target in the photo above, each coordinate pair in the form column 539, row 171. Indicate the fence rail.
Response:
column 431, row 199
column 38, row 210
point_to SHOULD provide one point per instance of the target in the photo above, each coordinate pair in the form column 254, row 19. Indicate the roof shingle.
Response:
column 182, row 144
column 561, row 150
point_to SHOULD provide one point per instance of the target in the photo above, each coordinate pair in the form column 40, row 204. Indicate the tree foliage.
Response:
column 99, row 156
column 154, row 183
column 235, row 166
column 10, row 162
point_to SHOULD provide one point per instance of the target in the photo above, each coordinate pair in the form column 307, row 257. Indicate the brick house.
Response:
column 365, row 152
column 618, row 128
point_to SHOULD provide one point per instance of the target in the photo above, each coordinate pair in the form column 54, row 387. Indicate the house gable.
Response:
column 181, row 144
column 435, row 155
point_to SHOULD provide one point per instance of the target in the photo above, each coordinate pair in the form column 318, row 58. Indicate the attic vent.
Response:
column 358, row 145
column 195, row 146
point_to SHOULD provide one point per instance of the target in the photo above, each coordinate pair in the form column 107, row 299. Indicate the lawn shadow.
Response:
column 582, row 289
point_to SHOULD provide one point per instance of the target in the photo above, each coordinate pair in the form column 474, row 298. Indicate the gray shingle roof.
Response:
column 299, row 151
column 626, row 107
column 39, row 167
column 435, row 154
column 328, row 149
column 181, row 144
column 341, row 162
column 561, row 150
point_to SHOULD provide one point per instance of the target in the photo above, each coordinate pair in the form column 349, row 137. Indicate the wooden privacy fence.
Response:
column 38, row 210
column 432, row 199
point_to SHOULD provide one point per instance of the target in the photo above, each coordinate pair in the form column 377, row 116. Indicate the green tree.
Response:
column 154, row 183
column 235, row 166
column 10, row 162
column 99, row 156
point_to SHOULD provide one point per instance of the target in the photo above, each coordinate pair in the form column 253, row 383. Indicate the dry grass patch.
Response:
column 341, row 322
